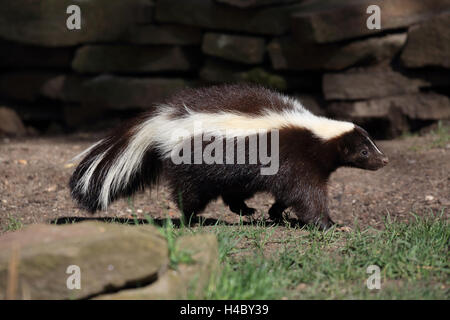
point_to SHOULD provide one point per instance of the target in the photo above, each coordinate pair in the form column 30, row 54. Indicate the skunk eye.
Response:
column 364, row 153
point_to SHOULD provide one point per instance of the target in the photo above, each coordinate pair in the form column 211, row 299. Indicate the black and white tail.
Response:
column 118, row 166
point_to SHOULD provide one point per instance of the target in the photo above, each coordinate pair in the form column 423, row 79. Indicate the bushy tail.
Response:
column 117, row 166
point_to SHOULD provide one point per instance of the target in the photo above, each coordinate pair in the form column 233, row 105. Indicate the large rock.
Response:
column 369, row 83
column 312, row 103
column 122, row 92
column 211, row 15
column 41, row 112
column 165, row 34
column 330, row 22
column 189, row 279
column 131, row 59
column 64, row 87
column 109, row 257
column 115, row 92
column 428, row 44
column 24, row 86
column 216, row 72
column 256, row 3
column 44, row 22
column 13, row 56
column 395, row 110
column 80, row 116
column 245, row 49
column 262, row 77
column 219, row 71
column 288, row 54
column 420, row 106
column 393, row 115
column 10, row 123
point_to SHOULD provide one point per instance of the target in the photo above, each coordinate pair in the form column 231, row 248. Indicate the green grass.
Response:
column 259, row 263
column 168, row 231
column 176, row 256
column 441, row 135
column 13, row 224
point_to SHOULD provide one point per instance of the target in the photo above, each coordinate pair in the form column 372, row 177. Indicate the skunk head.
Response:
column 357, row 149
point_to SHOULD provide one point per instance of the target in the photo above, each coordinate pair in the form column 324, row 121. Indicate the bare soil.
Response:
column 34, row 175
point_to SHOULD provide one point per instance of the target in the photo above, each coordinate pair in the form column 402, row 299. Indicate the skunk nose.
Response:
column 385, row 160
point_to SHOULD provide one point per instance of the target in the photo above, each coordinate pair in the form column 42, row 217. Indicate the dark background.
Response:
column 129, row 55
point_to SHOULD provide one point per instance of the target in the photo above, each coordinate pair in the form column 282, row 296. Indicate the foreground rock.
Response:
column 188, row 278
column 428, row 44
column 288, row 54
column 10, row 123
column 43, row 22
column 131, row 59
column 325, row 23
column 245, row 49
column 110, row 256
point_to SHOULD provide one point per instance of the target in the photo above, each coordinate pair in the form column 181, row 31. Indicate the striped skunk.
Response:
column 307, row 150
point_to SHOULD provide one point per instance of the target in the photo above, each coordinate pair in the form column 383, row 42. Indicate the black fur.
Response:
column 305, row 162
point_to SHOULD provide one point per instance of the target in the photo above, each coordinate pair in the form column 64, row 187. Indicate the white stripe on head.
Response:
column 373, row 144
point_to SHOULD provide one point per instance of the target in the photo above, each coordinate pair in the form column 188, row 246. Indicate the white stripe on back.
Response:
column 158, row 130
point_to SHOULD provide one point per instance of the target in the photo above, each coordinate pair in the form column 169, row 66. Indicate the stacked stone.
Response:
column 129, row 55
column 395, row 77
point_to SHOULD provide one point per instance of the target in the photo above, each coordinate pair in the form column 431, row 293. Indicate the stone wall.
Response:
column 131, row 54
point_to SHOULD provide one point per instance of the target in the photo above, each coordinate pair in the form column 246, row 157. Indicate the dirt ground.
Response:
column 34, row 174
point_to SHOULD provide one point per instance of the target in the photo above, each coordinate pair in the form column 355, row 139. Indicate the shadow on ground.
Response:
column 177, row 222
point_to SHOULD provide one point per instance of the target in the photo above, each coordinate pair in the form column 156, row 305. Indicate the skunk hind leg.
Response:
column 190, row 203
